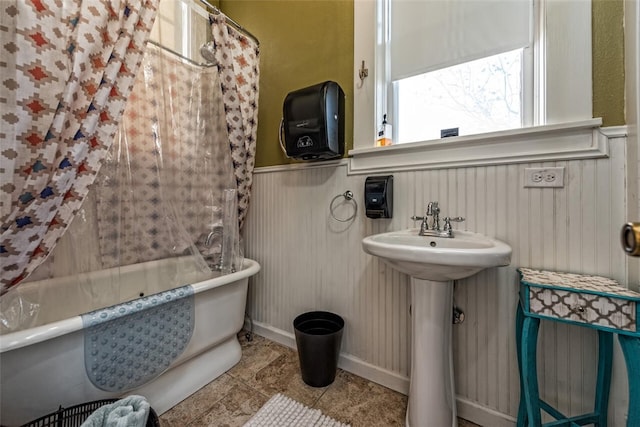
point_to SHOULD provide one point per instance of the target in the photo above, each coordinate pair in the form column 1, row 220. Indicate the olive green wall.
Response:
column 608, row 61
column 303, row 42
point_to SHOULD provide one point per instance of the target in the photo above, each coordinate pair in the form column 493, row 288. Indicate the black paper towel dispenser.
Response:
column 378, row 196
column 313, row 122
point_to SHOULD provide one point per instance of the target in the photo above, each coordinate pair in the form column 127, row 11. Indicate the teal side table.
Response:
column 588, row 301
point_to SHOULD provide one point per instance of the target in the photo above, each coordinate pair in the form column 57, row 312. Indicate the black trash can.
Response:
column 318, row 338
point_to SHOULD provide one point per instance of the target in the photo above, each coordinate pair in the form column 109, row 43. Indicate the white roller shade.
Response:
column 431, row 34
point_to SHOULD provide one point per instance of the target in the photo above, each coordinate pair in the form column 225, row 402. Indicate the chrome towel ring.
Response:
column 348, row 196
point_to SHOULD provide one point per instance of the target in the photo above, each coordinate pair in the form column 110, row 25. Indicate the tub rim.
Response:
column 31, row 336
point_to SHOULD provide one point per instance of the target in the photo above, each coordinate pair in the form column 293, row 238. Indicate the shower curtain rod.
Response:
column 182, row 57
column 231, row 22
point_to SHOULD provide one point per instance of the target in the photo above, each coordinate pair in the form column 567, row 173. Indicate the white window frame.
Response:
column 563, row 124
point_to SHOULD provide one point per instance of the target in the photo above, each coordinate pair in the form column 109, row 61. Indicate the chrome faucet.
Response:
column 433, row 210
column 211, row 252
column 216, row 231
column 209, row 238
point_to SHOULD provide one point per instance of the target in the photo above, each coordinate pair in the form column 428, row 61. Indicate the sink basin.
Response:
column 438, row 258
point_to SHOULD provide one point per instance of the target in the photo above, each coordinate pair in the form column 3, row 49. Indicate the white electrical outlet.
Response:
column 544, row 177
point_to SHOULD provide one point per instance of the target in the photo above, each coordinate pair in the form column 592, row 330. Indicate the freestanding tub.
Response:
column 44, row 366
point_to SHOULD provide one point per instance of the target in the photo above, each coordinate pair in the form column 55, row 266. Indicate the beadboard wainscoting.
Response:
column 311, row 261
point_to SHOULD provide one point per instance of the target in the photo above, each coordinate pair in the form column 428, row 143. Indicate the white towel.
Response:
column 131, row 411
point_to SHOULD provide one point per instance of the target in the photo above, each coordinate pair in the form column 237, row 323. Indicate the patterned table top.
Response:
column 577, row 282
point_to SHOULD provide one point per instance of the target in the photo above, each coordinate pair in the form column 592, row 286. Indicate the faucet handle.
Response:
column 424, row 226
column 448, row 221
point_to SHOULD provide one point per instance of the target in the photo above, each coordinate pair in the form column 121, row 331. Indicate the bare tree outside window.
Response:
column 480, row 96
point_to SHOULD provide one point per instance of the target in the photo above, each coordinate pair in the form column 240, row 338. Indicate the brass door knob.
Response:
column 630, row 237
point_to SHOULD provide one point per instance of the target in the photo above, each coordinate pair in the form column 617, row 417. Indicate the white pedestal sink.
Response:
column 433, row 263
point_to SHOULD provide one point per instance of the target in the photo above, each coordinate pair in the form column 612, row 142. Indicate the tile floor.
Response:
column 268, row 368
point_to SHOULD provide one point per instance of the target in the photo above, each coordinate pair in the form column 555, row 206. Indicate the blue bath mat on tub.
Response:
column 130, row 344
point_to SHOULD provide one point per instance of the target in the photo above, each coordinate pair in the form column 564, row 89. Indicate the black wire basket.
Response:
column 74, row 416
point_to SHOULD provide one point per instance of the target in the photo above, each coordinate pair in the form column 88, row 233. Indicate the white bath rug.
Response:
column 281, row 411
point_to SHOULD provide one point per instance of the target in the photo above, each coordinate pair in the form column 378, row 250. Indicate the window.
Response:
column 178, row 18
column 547, row 66
column 455, row 64
column 475, row 97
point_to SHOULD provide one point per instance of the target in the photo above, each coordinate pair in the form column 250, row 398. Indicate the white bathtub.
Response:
column 43, row 367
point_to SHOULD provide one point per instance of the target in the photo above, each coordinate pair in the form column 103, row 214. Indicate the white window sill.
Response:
column 575, row 140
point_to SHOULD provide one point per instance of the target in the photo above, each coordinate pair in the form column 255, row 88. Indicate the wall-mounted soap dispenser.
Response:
column 378, row 196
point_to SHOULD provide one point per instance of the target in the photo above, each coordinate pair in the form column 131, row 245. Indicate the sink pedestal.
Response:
column 431, row 393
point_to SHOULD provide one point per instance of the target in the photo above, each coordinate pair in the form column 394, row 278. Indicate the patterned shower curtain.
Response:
column 238, row 62
column 160, row 190
column 66, row 71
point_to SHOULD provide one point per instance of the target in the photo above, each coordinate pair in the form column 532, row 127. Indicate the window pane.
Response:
column 477, row 97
